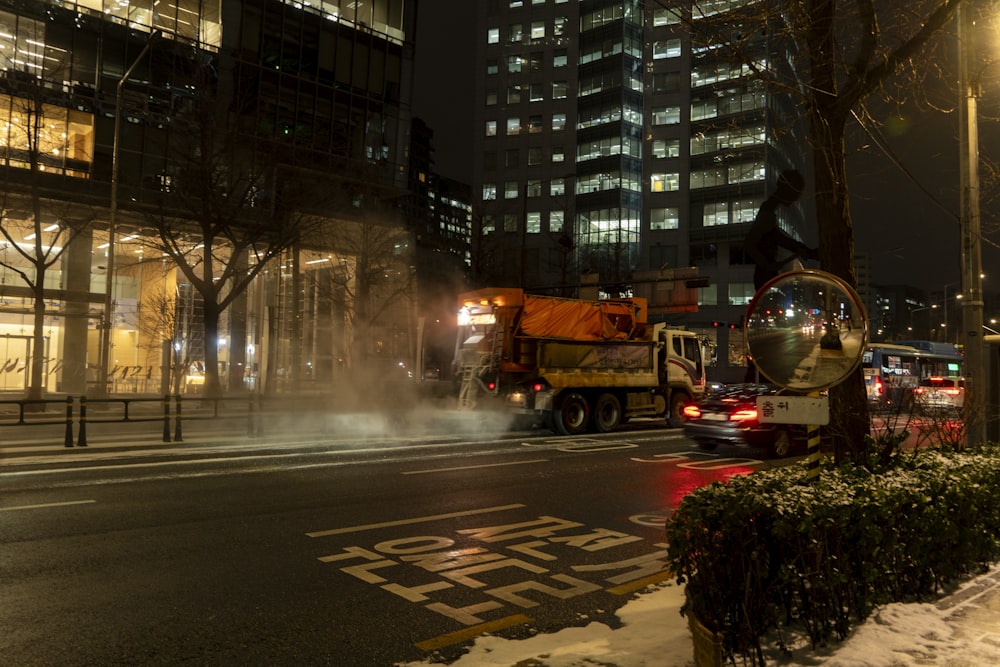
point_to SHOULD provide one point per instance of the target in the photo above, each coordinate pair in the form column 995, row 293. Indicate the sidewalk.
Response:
column 959, row 630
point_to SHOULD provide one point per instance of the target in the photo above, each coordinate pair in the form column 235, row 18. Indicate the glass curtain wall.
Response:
column 610, row 113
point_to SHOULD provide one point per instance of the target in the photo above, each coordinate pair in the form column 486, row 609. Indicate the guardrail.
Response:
column 171, row 412
column 77, row 412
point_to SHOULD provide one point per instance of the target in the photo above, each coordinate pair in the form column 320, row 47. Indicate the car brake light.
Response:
column 537, row 387
column 747, row 414
column 692, row 411
column 877, row 386
column 952, row 392
column 918, row 390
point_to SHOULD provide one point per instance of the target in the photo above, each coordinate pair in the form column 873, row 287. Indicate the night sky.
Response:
column 905, row 217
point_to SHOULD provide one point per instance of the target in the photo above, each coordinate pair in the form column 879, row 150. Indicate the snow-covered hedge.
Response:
column 766, row 551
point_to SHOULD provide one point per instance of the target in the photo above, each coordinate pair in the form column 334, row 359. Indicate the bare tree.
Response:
column 228, row 208
column 161, row 322
column 37, row 230
column 372, row 272
column 841, row 52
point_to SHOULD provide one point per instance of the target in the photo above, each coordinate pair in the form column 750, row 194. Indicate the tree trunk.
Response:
column 37, row 360
column 213, row 388
column 849, row 423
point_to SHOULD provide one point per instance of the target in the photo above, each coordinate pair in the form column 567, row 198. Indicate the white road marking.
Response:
column 44, row 505
column 422, row 519
column 484, row 465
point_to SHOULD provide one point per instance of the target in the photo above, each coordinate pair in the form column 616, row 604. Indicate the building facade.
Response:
column 110, row 112
column 610, row 141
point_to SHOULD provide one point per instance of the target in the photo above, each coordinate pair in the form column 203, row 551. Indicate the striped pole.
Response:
column 812, row 460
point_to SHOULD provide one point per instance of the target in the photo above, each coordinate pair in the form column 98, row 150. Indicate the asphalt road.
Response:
column 329, row 551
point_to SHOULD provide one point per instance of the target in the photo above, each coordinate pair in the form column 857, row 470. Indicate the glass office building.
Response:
column 610, row 146
column 317, row 93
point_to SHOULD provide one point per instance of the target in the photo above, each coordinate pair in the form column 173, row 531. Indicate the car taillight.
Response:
column 746, row 414
column 537, row 387
column 877, row 386
column 692, row 411
column 952, row 392
column 918, row 390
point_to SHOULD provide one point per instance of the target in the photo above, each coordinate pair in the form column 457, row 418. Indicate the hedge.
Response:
column 764, row 552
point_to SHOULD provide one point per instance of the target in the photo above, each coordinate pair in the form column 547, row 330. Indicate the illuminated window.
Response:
column 666, row 116
column 669, row 48
column 663, row 148
column 64, row 143
column 534, row 225
column 663, row 218
column 556, row 221
column 664, row 182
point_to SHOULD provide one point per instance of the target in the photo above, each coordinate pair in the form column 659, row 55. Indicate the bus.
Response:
column 893, row 370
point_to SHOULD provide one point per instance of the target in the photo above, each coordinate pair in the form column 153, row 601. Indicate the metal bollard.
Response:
column 81, row 440
column 166, row 418
column 68, row 441
column 250, row 417
column 177, row 420
column 260, row 415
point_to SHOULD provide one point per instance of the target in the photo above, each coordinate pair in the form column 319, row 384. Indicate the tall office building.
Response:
column 610, row 142
column 104, row 107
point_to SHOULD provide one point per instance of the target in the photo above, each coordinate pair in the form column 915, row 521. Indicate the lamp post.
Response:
column 972, row 281
column 104, row 360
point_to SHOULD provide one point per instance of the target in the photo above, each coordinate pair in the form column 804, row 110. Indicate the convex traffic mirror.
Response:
column 806, row 330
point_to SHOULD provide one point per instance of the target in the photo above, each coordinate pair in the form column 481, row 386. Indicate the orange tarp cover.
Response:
column 550, row 317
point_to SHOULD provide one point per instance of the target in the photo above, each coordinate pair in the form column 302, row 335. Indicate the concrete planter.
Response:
column 707, row 644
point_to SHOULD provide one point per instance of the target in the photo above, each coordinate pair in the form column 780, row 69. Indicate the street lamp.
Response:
column 104, row 361
column 972, row 281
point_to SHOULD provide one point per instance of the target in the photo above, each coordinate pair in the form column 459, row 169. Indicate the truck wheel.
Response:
column 675, row 415
column 607, row 413
column 572, row 415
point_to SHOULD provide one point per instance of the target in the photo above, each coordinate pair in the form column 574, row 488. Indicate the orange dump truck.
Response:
column 574, row 365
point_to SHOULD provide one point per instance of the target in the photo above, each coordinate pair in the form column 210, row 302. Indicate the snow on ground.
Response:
column 654, row 634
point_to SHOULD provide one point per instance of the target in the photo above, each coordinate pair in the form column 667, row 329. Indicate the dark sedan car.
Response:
column 729, row 417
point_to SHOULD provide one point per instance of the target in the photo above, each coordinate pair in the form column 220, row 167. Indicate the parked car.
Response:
column 935, row 395
column 729, row 417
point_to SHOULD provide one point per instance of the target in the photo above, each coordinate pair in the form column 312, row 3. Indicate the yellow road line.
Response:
column 471, row 632
column 638, row 584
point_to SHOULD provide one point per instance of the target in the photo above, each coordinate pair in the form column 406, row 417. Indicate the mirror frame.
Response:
column 830, row 342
